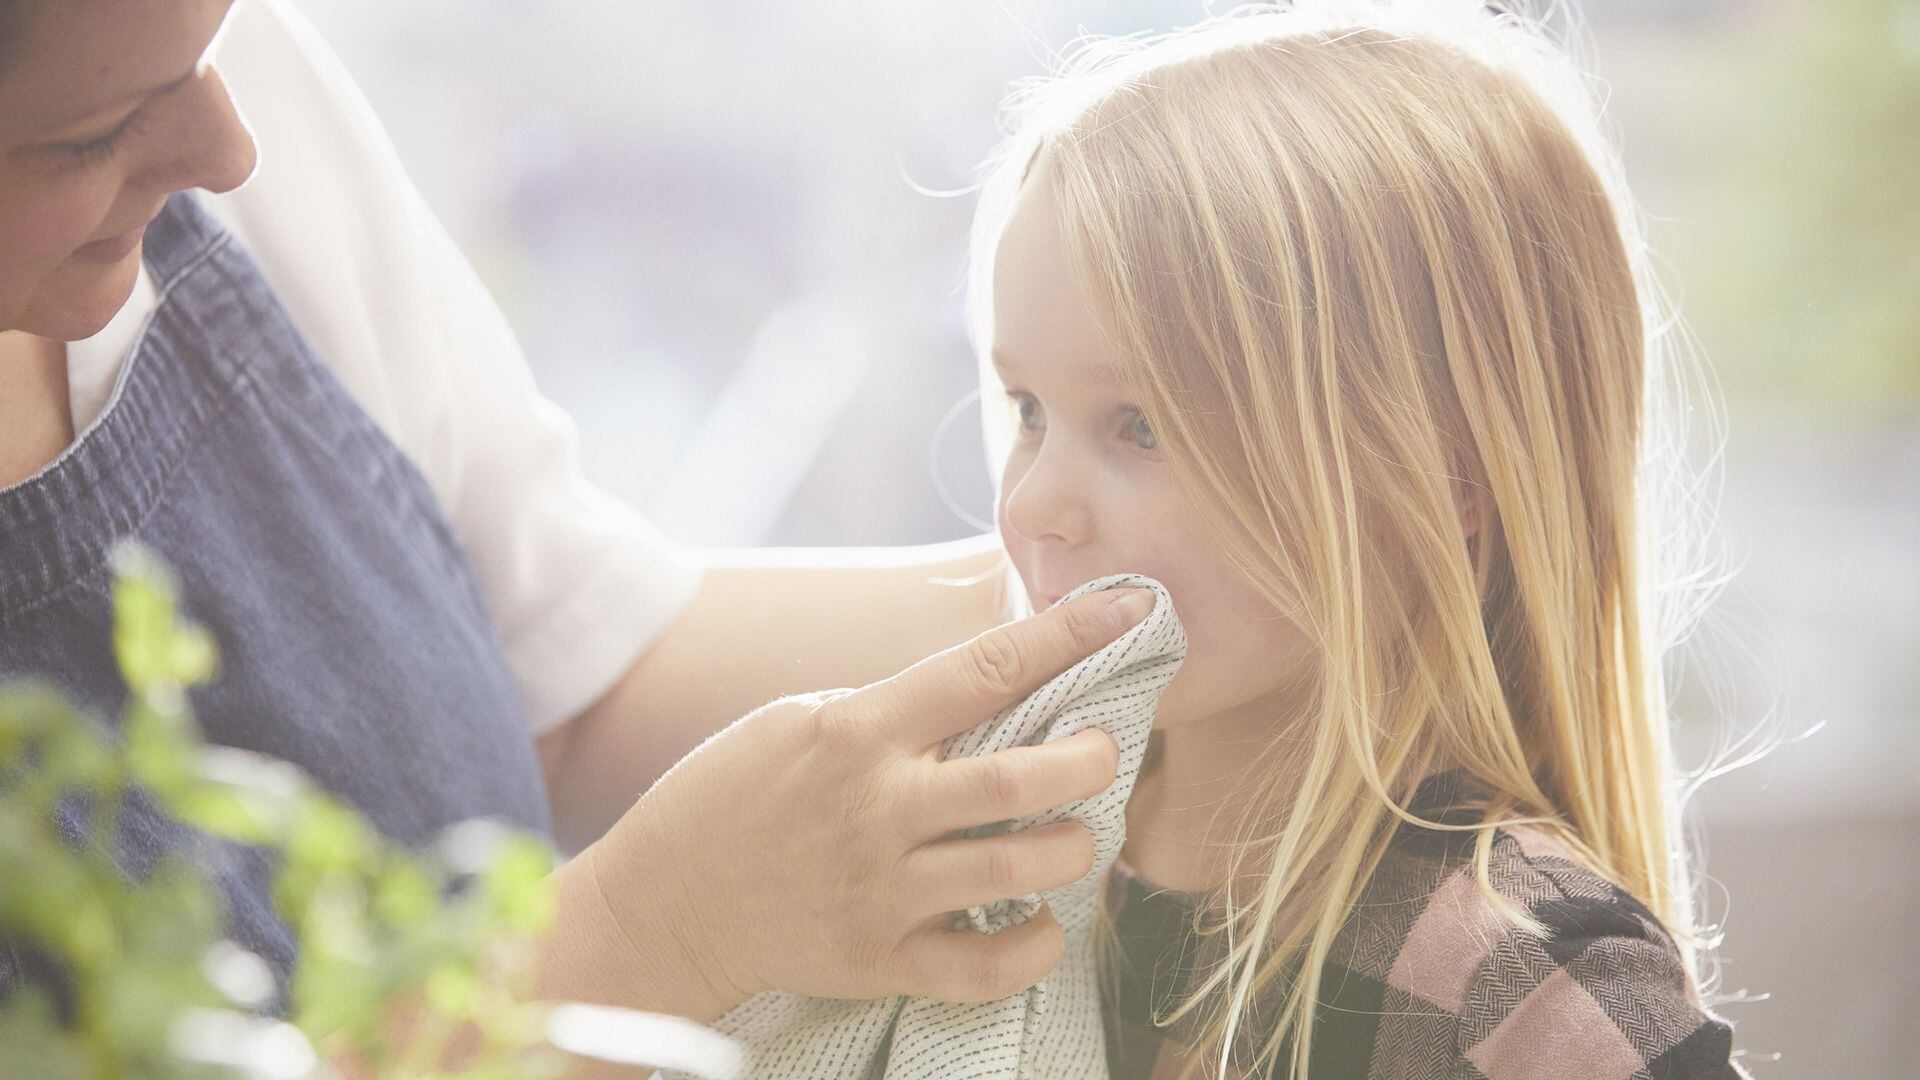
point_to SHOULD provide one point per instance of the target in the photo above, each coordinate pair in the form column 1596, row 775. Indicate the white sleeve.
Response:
column 577, row 581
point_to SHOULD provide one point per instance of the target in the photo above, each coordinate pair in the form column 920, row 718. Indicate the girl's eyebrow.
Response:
column 1105, row 375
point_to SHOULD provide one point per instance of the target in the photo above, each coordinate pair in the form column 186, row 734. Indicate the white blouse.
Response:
column 577, row 581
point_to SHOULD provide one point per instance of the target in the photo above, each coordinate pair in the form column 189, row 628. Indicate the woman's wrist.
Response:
column 613, row 942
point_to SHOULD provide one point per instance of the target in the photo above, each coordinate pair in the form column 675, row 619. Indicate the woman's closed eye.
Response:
column 102, row 148
column 81, row 153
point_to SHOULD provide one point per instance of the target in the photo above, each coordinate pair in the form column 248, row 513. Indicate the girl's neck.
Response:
column 1188, row 800
column 1196, row 787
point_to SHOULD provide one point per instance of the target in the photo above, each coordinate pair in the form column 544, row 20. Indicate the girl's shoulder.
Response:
column 1430, row 980
column 1603, row 992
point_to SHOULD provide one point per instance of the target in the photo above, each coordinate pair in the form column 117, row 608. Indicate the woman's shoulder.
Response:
column 392, row 308
column 1603, row 991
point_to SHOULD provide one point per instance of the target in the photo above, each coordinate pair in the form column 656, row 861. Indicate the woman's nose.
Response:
column 1047, row 501
column 210, row 146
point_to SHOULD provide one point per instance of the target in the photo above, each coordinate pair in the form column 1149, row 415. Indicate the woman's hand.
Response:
column 807, row 846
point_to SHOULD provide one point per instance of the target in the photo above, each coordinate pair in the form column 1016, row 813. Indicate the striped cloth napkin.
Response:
column 1053, row 1029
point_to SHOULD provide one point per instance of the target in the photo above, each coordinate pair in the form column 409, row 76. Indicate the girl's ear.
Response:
column 1470, row 500
column 1474, row 505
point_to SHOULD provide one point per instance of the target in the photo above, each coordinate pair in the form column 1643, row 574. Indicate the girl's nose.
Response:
column 1047, row 501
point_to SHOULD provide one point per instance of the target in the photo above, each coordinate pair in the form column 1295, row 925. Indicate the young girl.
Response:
column 1334, row 318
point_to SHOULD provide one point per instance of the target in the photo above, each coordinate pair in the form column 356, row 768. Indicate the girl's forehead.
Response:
column 1085, row 368
column 1043, row 323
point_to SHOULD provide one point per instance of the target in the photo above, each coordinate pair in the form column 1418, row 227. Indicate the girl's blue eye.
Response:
column 1140, row 433
column 1032, row 417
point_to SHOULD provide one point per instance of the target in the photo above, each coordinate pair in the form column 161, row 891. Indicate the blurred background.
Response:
column 728, row 237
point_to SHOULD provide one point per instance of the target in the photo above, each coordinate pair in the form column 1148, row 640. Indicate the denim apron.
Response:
column 354, row 639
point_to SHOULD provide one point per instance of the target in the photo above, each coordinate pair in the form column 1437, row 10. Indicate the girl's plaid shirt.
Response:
column 1429, row 982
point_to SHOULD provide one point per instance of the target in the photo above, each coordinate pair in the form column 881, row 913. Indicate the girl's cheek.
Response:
column 1236, row 637
column 1010, row 541
column 1009, row 478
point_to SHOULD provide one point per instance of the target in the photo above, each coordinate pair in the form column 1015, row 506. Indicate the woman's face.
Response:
column 106, row 108
column 1086, row 492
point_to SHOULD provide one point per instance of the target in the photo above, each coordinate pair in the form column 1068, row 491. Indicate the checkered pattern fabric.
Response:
column 1053, row 1030
column 1428, row 981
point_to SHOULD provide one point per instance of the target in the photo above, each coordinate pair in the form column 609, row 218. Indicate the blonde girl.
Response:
column 1334, row 317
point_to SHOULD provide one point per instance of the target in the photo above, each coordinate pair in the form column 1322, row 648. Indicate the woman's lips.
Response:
column 113, row 248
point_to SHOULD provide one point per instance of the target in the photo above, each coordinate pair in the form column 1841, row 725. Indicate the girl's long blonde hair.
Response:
column 1373, row 274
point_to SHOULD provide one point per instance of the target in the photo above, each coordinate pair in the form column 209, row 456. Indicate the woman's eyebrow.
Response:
column 124, row 102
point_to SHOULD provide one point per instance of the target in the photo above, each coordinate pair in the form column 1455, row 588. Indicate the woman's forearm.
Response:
column 763, row 626
column 591, row 955
column 638, row 960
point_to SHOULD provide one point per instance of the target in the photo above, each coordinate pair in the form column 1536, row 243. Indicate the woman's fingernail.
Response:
column 1129, row 606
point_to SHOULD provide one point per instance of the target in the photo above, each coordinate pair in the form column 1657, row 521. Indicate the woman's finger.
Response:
column 964, row 966
column 954, row 875
column 1008, row 784
column 952, row 691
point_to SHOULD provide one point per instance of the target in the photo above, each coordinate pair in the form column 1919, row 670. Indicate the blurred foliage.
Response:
column 1798, row 239
column 148, row 988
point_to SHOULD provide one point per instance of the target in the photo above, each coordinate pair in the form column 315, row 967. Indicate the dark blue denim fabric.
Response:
column 355, row 640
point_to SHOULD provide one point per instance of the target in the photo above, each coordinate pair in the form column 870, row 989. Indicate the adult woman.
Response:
column 298, row 395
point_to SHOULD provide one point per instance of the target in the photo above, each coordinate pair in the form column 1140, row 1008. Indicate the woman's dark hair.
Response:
column 12, row 16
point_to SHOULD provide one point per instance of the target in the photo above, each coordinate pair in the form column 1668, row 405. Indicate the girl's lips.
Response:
column 112, row 249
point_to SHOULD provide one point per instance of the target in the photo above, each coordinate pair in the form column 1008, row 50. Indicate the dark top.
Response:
column 1428, row 982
